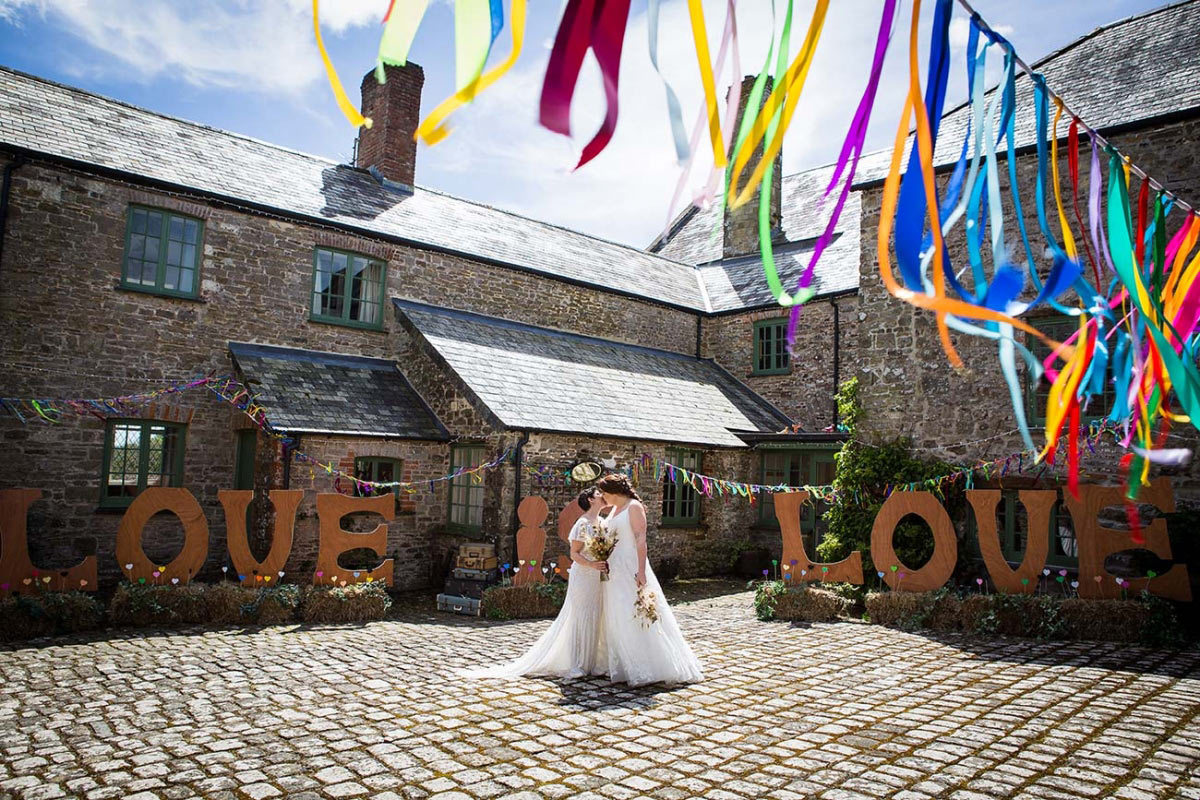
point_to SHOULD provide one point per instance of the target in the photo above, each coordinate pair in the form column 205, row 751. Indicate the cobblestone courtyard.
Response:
column 833, row 711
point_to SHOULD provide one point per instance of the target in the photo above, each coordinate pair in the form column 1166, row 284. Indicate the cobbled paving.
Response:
column 843, row 711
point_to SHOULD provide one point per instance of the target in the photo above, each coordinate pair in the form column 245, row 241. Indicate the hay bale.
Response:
column 224, row 601
column 940, row 610
column 143, row 605
column 358, row 602
column 807, row 604
column 30, row 616
column 523, row 602
column 889, row 608
column 1104, row 620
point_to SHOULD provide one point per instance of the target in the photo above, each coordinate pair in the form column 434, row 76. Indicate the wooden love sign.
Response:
column 19, row 575
column 1095, row 542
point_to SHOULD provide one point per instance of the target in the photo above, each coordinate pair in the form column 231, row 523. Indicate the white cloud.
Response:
column 258, row 45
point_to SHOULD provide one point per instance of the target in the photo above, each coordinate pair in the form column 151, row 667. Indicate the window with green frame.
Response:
column 680, row 502
column 139, row 454
column 770, row 347
column 466, row 491
column 377, row 470
column 162, row 252
column 1060, row 328
column 808, row 467
column 347, row 288
column 1012, row 524
column 245, row 452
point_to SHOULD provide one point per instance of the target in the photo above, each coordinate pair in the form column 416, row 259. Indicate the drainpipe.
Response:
column 5, row 190
column 518, row 464
column 287, row 460
column 836, row 364
column 697, row 336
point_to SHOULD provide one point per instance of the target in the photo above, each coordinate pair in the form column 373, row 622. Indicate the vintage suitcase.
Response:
column 458, row 605
column 489, row 575
column 477, row 562
column 465, row 587
column 477, row 550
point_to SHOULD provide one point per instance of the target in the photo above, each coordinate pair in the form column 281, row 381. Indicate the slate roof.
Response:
column 738, row 283
column 1130, row 71
column 48, row 118
column 540, row 379
column 305, row 391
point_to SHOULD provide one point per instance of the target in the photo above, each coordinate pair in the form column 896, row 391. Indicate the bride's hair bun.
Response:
column 586, row 499
column 617, row 484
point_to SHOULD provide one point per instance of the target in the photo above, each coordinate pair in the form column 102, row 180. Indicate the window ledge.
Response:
column 120, row 287
column 674, row 524
column 768, row 374
column 111, row 509
column 358, row 326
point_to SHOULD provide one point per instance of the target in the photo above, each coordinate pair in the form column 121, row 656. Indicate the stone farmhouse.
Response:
column 401, row 333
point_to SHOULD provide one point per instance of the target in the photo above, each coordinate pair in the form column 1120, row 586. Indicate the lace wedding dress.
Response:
column 636, row 653
column 573, row 645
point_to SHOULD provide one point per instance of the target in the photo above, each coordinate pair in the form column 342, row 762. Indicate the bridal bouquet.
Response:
column 600, row 542
column 644, row 607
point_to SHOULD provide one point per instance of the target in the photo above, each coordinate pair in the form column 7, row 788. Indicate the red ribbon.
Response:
column 598, row 25
column 1073, row 165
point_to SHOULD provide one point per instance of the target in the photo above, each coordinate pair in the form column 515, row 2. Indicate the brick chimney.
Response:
column 395, row 109
column 741, row 225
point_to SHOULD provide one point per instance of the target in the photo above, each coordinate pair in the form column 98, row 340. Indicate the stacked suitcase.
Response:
column 475, row 569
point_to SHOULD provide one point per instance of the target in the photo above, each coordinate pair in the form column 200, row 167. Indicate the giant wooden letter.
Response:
column 1038, row 504
column 235, row 503
column 787, row 511
column 566, row 520
column 531, row 540
column 1096, row 543
column 945, row 547
column 335, row 541
column 184, row 566
column 16, row 570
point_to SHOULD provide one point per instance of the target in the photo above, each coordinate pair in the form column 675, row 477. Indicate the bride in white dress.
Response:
column 637, row 653
column 573, row 645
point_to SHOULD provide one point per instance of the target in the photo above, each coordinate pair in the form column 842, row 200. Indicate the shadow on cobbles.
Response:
column 591, row 694
column 1115, row 656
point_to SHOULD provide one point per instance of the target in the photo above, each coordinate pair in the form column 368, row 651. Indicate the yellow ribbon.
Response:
column 1068, row 237
column 432, row 130
column 696, row 12
column 787, row 93
column 356, row 119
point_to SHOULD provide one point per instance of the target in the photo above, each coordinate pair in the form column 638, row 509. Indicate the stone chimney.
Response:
column 395, row 110
column 741, row 225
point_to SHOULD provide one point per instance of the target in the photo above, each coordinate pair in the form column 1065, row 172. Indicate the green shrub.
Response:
column 357, row 602
column 862, row 474
column 48, row 614
column 766, row 598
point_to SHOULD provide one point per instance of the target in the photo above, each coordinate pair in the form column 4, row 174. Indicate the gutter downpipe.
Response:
column 5, row 191
column 836, row 364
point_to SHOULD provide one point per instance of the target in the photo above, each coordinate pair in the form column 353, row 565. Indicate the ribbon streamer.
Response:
column 434, row 127
column 356, row 119
column 598, row 25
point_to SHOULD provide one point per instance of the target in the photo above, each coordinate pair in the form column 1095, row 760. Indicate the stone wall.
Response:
column 806, row 392
column 68, row 330
column 702, row 549
column 908, row 386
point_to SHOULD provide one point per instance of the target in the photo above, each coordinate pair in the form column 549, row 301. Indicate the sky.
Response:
column 251, row 66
